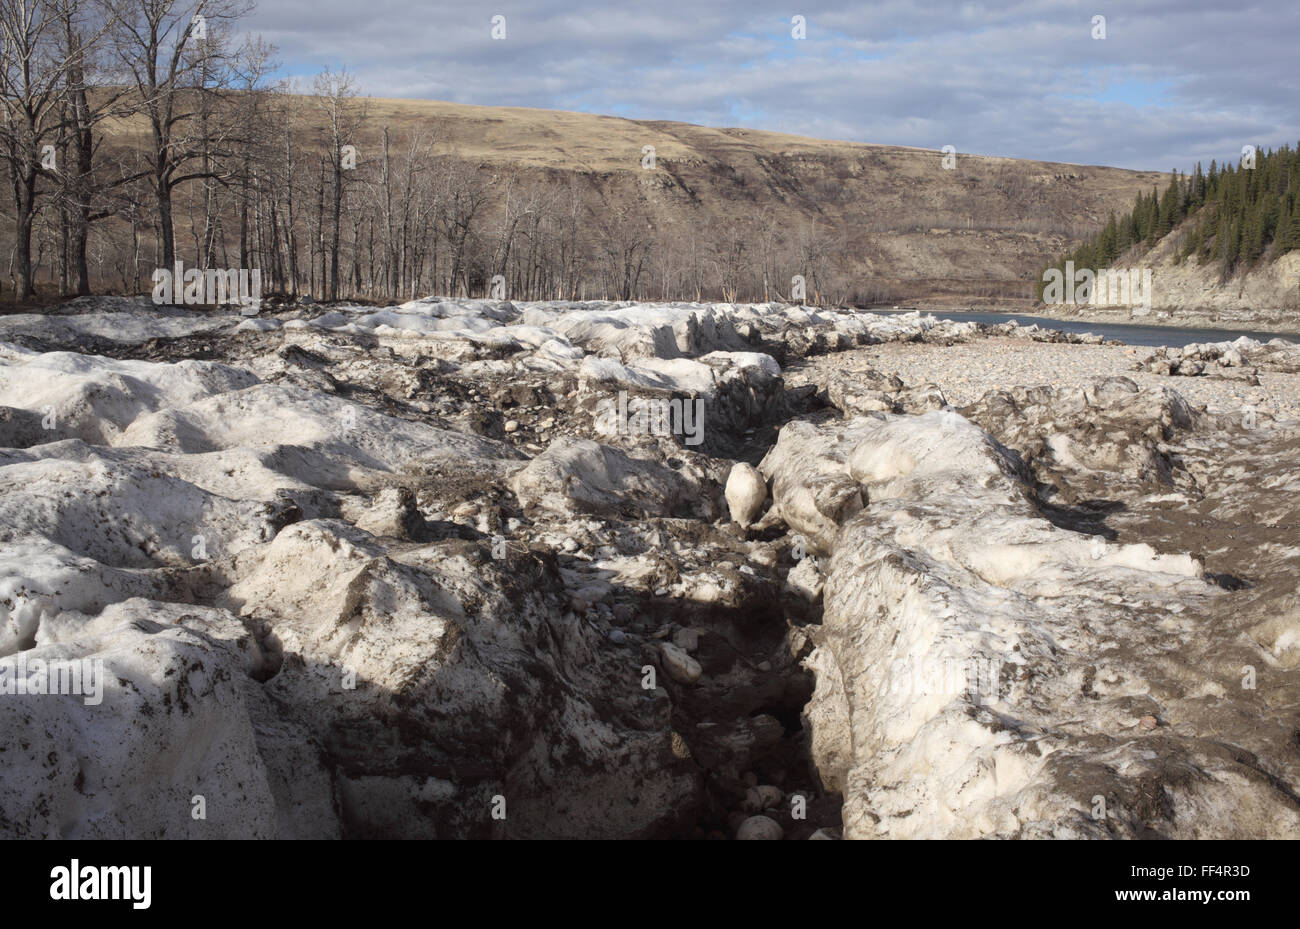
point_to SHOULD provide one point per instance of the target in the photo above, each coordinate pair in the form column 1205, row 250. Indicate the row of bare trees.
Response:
column 110, row 107
column 138, row 132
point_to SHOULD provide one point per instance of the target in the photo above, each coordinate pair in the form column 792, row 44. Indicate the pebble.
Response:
column 512, row 425
column 763, row 797
column 687, row 639
column 680, row 666
column 761, row 828
column 764, row 555
column 624, row 613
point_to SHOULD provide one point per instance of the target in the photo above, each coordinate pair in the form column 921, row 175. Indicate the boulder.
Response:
column 746, row 493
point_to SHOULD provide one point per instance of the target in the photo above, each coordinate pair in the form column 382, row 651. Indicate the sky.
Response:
column 1172, row 81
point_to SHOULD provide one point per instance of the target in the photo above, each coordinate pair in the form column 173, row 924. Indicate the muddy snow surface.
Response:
column 473, row 569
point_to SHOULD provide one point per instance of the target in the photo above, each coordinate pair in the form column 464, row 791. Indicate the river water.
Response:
column 1129, row 334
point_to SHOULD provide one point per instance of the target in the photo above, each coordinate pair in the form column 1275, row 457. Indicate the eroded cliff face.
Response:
column 1185, row 293
column 461, row 569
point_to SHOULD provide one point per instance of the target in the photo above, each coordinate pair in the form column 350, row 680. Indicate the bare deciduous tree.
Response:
column 176, row 57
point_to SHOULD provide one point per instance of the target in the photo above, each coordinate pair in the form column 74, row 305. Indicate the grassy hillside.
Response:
column 983, row 229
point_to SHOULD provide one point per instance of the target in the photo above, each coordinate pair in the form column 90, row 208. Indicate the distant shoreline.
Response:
column 1181, row 320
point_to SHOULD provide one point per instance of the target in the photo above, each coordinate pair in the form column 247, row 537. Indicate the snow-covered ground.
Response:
column 355, row 572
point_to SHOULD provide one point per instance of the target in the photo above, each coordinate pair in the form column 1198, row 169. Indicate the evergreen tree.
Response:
column 1231, row 215
column 1192, row 249
column 1288, row 228
column 1167, row 214
column 1151, row 219
column 1232, row 248
column 1252, row 234
column 1108, row 243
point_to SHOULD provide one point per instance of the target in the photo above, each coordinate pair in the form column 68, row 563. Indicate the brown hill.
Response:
column 983, row 229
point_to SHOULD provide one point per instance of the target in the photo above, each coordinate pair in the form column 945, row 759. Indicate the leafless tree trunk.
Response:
column 175, row 54
column 337, row 97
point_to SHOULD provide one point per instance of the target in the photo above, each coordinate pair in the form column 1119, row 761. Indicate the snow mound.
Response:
column 982, row 672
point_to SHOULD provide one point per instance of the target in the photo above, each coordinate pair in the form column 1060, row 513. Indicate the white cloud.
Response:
column 1172, row 83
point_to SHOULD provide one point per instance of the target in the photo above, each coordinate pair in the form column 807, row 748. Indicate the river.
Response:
column 1128, row 333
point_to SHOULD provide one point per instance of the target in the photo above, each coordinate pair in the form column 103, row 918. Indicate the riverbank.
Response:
column 965, row 372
